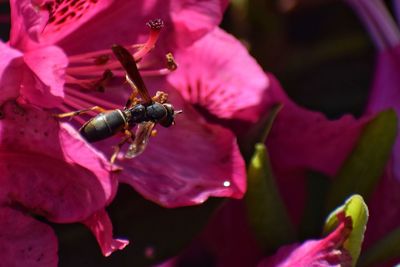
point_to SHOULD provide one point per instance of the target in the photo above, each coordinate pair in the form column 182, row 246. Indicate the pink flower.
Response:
column 44, row 66
column 384, row 94
column 326, row 252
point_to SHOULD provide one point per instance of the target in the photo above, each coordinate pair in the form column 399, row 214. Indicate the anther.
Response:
column 107, row 75
column 155, row 24
column 101, row 60
column 171, row 63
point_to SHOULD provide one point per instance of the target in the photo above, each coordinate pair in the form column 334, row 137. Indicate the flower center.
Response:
column 90, row 72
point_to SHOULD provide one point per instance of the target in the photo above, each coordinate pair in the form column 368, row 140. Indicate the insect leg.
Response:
column 79, row 112
column 128, row 138
column 132, row 100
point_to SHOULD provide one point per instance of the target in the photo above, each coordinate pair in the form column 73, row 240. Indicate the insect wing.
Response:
column 133, row 76
column 142, row 135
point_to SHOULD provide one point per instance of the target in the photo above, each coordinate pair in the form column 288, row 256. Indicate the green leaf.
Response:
column 385, row 249
column 356, row 208
column 362, row 170
column 266, row 212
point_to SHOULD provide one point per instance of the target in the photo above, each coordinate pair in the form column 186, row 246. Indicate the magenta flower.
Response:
column 326, row 252
column 44, row 66
column 384, row 94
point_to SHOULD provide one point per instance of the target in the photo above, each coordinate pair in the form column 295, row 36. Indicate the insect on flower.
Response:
column 143, row 112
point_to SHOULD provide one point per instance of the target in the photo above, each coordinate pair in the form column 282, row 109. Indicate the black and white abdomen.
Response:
column 103, row 125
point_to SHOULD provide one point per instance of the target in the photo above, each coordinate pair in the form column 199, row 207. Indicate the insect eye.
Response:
column 167, row 121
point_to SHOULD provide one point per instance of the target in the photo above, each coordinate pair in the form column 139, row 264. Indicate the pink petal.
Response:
column 327, row 252
column 185, row 20
column 43, row 82
column 100, row 224
column 187, row 163
column 9, row 78
column 306, row 133
column 27, row 21
column 47, row 22
column 194, row 18
column 50, row 170
column 25, row 241
column 218, row 74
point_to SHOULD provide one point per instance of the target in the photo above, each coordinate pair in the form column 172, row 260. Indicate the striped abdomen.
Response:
column 103, row 125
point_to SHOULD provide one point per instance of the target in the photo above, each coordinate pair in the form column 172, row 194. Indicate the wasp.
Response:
column 144, row 112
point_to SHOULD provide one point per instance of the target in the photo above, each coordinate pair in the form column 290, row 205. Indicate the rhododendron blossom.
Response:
column 58, row 58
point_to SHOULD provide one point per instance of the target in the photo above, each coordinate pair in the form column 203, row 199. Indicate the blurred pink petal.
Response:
column 100, row 224
column 218, row 75
column 301, row 141
column 326, row 252
column 25, row 241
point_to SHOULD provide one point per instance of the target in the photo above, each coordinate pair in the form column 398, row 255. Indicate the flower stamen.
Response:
column 91, row 71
